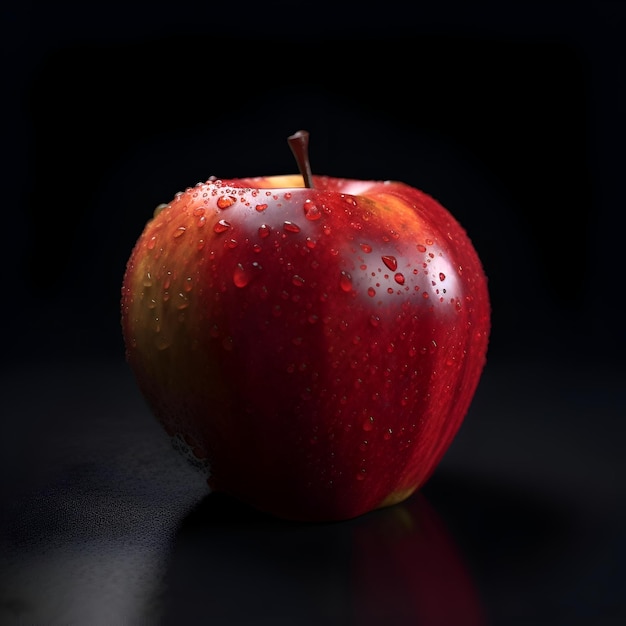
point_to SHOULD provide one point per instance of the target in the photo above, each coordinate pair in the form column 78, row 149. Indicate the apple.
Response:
column 316, row 342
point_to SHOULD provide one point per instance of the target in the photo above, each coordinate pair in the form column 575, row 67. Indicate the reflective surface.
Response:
column 523, row 523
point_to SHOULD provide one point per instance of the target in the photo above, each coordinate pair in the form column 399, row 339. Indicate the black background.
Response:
column 513, row 118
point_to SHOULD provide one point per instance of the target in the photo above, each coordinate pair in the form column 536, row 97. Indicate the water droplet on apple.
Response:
column 179, row 232
column 158, row 209
column 399, row 278
column 241, row 277
column 298, row 281
column 360, row 475
column 371, row 292
column 151, row 243
column 374, row 320
column 390, row 261
column 387, row 434
column 311, row 210
column 223, row 202
column 264, row 231
column 421, row 248
column 182, row 302
column 222, row 226
column 442, row 276
column 345, row 281
column 310, row 243
column 260, row 207
column 291, row 227
column 368, row 424
column 366, row 248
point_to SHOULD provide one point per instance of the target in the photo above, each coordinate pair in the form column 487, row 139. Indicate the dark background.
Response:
column 513, row 118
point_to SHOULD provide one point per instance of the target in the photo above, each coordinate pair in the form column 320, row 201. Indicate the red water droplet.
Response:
column 179, row 232
column 374, row 320
column 291, row 227
column 366, row 248
column 298, row 281
column 151, row 243
column 442, row 276
column 260, row 207
column 223, row 202
column 240, row 276
column 221, row 226
column 264, row 231
column 399, row 278
column 371, row 292
column 421, row 248
column 345, row 281
column 390, row 261
column 311, row 210
column 310, row 243
column 368, row 424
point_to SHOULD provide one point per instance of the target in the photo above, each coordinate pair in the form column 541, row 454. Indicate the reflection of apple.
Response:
column 318, row 347
column 398, row 565
column 407, row 569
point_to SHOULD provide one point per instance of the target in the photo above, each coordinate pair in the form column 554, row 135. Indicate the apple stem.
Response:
column 299, row 144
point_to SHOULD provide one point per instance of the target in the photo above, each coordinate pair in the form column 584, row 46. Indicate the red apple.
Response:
column 316, row 341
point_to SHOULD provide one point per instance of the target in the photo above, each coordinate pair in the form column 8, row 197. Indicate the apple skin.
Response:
column 317, row 347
